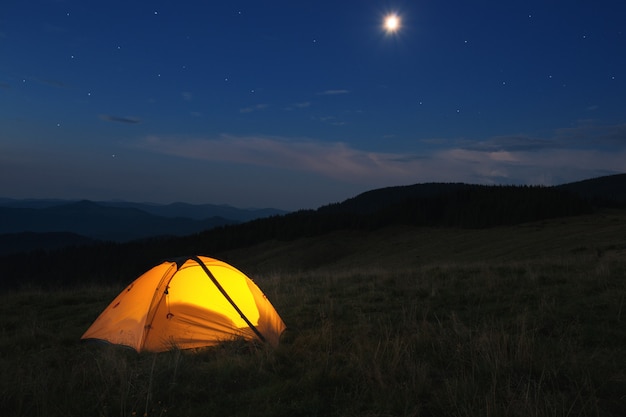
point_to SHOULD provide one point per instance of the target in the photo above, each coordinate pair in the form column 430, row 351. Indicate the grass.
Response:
column 458, row 335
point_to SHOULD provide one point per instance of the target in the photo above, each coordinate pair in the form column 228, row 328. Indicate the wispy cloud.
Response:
column 331, row 120
column 501, row 160
column 332, row 159
column 119, row 119
column 253, row 108
column 300, row 105
column 590, row 134
column 51, row 82
column 510, row 143
column 332, row 92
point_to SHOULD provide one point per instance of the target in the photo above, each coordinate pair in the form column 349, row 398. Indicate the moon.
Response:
column 391, row 23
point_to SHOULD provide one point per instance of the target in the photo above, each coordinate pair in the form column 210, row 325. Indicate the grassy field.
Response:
column 519, row 321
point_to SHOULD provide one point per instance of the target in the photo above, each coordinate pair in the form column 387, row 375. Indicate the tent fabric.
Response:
column 187, row 305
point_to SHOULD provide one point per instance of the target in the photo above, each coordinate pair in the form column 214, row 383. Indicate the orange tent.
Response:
column 191, row 303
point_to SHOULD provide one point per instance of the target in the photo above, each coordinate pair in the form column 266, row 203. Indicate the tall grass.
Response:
column 532, row 338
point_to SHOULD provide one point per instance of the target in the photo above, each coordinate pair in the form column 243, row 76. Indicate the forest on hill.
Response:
column 460, row 206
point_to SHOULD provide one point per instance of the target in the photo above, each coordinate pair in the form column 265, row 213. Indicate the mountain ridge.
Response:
column 71, row 222
column 175, row 209
column 427, row 204
column 610, row 189
column 468, row 211
column 99, row 222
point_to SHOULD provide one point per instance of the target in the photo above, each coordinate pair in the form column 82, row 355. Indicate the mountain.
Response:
column 418, row 210
column 12, row 243
column 455, row 205
column 437, row 217
column 191, row 211
column 32, row 202
column 199, row 211
column 34, row 224
column 602, row 191
column 374, row 200
column 100, row 222
column 452, row 205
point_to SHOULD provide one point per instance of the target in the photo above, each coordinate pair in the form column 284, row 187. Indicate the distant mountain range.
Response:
column 48, row 224
column 28, row 241
column 191, row 211
column 44, row 224
column 451, row 205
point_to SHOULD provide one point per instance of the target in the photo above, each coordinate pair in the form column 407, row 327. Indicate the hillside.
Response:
column 608, row 190
column 394, row 248
column 429, row 213
column 523, row 320
column 11, row 243
column 384, row 318
column 391, row 247
column 433, row 204
column 603, row 191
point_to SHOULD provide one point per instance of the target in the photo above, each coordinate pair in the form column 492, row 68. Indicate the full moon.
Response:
column 392, row 23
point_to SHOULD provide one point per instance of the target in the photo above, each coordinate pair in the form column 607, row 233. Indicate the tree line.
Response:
column 459, row 206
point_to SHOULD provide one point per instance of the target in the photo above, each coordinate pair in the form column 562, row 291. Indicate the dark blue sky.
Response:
column 299, row 104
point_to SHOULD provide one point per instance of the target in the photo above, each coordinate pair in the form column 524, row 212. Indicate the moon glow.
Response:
column 391, row 23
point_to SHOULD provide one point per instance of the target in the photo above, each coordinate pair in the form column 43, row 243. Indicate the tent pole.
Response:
column 230, row 300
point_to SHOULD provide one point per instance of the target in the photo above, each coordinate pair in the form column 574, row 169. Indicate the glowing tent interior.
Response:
column 189, row 303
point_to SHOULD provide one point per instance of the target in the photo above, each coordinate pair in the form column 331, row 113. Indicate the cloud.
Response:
column 51, row 82
column 587, row 135
column 332, row 92
column 118, row 119
column 499, row 160
column 590, row 135
column 511, row 143
column 331, row 120
column 301, row 105
column 253, row 108
column 331, row 159
column 551, row 167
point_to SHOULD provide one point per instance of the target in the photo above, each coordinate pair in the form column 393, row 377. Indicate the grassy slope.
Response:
column 527, row 320
column 406, row 248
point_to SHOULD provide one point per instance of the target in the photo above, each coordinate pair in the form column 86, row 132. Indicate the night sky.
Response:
column 297, row 104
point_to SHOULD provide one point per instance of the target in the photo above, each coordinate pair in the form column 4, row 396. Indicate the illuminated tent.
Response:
column 190, row 303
